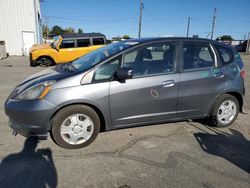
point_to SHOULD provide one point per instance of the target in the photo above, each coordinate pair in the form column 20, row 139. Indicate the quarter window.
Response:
column 197, row 56
column 83, row 42
column 98, row 41
column 67, row 44
column 153, row 59
column 225, row 53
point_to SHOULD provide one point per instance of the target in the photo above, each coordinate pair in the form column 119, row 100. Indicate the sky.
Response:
column 159, row 18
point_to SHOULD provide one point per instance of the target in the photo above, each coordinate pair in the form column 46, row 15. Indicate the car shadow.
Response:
column 233, row 147
column 30, row 167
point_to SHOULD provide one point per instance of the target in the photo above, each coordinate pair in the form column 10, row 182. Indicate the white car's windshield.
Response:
column 93, row 58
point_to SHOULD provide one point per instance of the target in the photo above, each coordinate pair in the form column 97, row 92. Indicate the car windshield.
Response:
column 93, row 58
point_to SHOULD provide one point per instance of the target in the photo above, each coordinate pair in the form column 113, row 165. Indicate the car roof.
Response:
column 82, row 35
column 177, row 39
column 152, row 39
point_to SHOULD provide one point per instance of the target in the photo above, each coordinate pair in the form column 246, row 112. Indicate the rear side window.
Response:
column 98, row 41
column 83, row 42
column 226, row 54
column 197, row 56
column 67, row 44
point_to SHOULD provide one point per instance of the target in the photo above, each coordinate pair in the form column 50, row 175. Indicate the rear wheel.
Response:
column 75, row 126
column 225, row 111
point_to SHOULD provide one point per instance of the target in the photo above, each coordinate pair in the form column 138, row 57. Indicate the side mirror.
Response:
column 124, row 73
column 57, row 48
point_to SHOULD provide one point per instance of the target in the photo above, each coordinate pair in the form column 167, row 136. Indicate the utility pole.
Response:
column 46, row 23
column 248, row 43
column 188, row 26
column 140, row 19
column 213, row 24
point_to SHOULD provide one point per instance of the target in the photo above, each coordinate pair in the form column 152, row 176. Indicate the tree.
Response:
column 79, row 31
column 225, row 37
column 126, row 37
column 118, row 38
column 56, row 30
column 69, row 30
column 46, row 31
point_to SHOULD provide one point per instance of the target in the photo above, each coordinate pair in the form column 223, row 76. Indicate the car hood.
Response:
column 40, row 47
column 55, row 73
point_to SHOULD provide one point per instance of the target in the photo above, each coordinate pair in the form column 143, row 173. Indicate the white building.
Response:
column 20, row 25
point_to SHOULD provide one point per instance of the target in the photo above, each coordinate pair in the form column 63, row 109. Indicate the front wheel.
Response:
column 75, row 126
column 225, row 111
column 45, row 62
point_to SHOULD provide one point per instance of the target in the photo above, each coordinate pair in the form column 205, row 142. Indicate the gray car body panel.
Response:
column 133, row 102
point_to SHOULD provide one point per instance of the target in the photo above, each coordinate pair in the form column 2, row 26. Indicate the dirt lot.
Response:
column 183, row 154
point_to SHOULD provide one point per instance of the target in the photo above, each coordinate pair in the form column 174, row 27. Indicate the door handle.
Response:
column 169, row 83
column 218, row 75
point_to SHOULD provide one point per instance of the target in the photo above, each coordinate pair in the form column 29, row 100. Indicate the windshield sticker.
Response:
column 205, row 74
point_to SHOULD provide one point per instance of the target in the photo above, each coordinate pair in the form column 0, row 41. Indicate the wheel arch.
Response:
column 236, row 94
column 96, row 109
column 46, row 56
column 239, row 97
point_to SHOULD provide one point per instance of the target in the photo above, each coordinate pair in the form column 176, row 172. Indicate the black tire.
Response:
column 33, row 64
column 45, row 62
column 213, row 119
column 65, row 113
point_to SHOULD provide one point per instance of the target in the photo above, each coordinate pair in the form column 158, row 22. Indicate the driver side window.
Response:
column 151, row 60
column 67, row 44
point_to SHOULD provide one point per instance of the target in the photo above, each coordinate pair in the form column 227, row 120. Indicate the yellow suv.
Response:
column 66, row 48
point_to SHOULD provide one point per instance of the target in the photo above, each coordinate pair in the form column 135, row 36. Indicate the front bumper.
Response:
column 30, row 118
column 32, row 62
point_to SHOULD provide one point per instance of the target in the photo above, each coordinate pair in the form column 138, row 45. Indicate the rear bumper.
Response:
column 30, row 118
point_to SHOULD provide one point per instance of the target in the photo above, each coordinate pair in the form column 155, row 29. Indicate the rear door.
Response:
column 201, row 80
column 151, row 95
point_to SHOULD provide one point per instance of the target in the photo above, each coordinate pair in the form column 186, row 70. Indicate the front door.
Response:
column 66, row 52
column 151, row 95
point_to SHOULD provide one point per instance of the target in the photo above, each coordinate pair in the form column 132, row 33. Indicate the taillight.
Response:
column 243, row 73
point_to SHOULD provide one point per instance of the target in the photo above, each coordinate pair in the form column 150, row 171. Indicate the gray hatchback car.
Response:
column 130, row 83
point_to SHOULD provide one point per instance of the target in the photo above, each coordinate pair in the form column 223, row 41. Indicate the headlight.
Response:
column 37, row 91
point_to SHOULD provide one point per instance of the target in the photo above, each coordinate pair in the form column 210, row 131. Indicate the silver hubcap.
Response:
column 226, row 112
column 77, row 129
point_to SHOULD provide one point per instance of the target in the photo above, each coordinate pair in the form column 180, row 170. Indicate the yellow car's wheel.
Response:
column 45, row 62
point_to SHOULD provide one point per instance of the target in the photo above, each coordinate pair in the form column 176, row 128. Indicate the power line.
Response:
column 90, row 20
